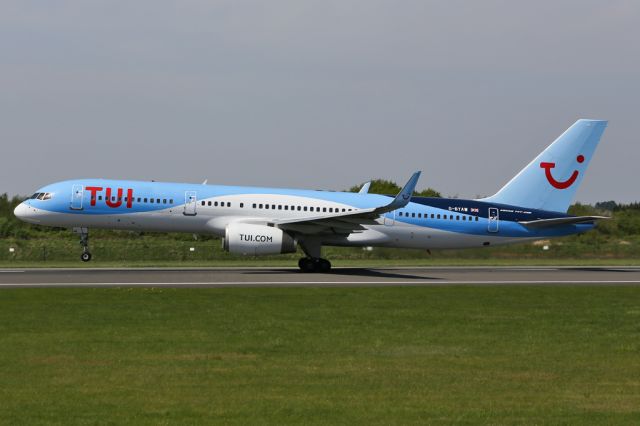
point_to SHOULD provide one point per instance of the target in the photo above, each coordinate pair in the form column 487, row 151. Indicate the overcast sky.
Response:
column 318, row 94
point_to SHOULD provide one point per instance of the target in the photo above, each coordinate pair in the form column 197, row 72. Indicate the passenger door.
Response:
column 494, row 219
column 190, row 202
column 77, row 192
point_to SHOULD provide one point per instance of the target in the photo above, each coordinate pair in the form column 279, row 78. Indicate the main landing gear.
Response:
column 84, row 242
column 312, row 248
column 310, row 264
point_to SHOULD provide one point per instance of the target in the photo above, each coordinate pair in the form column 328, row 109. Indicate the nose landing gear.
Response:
column 84, row 242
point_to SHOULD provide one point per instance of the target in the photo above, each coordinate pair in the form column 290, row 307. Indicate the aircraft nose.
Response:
column 20, row 211
column 25, row 213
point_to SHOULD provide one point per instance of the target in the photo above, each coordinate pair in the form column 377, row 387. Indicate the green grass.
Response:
column 404, row 355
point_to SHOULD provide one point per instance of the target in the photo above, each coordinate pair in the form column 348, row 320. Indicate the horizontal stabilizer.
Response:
column 559, row 221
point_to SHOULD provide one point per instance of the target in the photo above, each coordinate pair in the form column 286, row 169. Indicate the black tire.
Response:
column 85, row 257
column 323, row 266
column 307, row 265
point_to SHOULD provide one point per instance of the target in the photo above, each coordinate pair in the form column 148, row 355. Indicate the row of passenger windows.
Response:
column 438, row 216
column 334, row 210
column 139, row 200
column 278, row 207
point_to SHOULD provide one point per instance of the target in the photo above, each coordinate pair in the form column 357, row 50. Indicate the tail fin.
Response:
column 550, row 181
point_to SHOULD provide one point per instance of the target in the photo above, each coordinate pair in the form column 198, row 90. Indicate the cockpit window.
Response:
column 41, row 196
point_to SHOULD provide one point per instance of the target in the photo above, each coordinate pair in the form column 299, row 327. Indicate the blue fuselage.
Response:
column 428, row 223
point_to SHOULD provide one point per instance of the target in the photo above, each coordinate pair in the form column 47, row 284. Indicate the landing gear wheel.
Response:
column 84, row 242
column 307, row 265
column 323, row 265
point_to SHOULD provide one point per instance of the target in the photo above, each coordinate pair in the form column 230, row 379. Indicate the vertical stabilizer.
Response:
column 550, row 181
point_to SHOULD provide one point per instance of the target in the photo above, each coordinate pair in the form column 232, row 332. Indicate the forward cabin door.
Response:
column 77, row 192
column 494, row 219
column 190, row 202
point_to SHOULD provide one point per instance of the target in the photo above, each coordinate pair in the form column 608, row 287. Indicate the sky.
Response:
column 315, row 94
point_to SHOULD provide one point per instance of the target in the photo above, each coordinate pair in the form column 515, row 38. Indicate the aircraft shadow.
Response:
column 352, row 272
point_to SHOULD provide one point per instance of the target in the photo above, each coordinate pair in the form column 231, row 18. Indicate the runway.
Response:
column 341, row 277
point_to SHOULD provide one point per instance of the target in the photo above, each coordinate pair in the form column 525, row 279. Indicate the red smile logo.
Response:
column 556, row 184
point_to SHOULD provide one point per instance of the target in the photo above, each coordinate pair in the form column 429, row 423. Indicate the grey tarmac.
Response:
column 342, row 277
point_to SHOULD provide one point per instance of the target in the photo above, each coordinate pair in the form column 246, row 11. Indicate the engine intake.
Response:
column 244, row 238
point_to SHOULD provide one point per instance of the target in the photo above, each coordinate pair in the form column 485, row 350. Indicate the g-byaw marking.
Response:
column 256, row 221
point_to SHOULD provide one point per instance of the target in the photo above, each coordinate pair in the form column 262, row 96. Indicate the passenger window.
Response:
column 343, row 210
column 299, row 208
column 100, row 197
column 202, row 203
column 305, row 208
column 413, row 215
column 254, row 205
column 164, row 201
column 279, row 206
column 432, row 216
column 261, row 206
column 241, row 205
column 457, row 217
column 438, row 216
column 476, row 218
column 138, row 199
column 286, row 207
column 266, row 206
column 151, row 200
column 215, row 204
column 171, row 201
column 209, row 203
column 145, row 200
column 228, row 204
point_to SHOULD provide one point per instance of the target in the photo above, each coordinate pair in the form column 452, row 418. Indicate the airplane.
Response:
column 266, row 221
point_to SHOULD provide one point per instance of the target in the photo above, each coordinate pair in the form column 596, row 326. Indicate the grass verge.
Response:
column 412, row 355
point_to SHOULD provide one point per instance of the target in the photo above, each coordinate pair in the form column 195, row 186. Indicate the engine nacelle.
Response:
column 245, row 238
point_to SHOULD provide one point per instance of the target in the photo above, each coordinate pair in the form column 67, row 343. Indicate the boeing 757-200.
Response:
column 251, row 220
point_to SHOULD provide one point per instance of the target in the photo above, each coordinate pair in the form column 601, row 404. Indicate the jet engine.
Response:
column 244, row 238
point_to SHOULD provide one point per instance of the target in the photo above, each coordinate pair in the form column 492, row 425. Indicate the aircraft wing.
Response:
column 559, row 221
column 347, row 222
